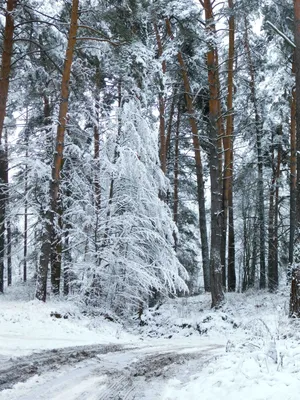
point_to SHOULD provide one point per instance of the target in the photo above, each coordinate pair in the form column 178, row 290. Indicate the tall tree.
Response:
column 41, row 290
column 273, row 212
column 228, row 160
column 198, row 162
column 295, row 295
column 260, row 178
column 293, row 177
column 5, row 73
column 215, row 150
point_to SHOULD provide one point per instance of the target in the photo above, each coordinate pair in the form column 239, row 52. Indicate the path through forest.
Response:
column 101, row 372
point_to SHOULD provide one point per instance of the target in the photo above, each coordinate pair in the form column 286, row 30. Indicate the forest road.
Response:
column 100, row 372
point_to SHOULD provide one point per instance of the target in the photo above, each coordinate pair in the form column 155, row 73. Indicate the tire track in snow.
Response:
column 20, row 369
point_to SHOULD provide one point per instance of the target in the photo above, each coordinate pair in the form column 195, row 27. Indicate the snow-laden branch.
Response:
column 289, row 41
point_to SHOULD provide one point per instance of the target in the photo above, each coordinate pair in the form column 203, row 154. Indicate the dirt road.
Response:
column 101, row 372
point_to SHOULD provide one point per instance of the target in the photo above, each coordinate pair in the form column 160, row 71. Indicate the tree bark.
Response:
column 57, row 164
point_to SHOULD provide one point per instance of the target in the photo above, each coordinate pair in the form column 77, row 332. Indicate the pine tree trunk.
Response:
column 9, row 260
column 7, row 217
column 57, row 164
column 271, row 252
column 254, row 255
column 97, row 186
column 228, row 167
column 25, row 240
column 162, row 105
column 273, row 218
column 67, row 261
column 214, row 161
column 295, row 286
column 293, row 177
column 231, row 235
column 297, row 75
column 295, row 294
column 260, row 178
column 56, row 250
column 169, row 129
column 176, row 174
column 199, row 169
column 6, row 61
column 199, row 174
column 4, row 86
column 2, row 215
column 276, row 214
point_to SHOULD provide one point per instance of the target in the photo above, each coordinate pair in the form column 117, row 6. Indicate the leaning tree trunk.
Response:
column 41, row 289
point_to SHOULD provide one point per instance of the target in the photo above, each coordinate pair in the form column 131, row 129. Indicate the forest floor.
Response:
column 249, row 349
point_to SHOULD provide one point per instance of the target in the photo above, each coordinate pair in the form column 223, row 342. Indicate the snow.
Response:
column 249, row 350
column 262, row 360
column 28, row 326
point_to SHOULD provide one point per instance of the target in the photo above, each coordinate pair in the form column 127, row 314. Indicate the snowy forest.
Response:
column 150, row 186
column 149, row 148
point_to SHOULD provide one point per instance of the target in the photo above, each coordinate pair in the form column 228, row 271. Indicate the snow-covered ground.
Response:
column 27, row 326
column 249, row 349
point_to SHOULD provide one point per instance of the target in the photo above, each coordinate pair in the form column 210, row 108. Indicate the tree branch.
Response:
column 289, row 41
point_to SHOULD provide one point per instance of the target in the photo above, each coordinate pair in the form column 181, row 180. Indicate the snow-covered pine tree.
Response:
column 136, row 257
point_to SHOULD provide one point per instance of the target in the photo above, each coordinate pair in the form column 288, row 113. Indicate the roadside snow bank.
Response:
column 262, row 357
column 27, row 326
